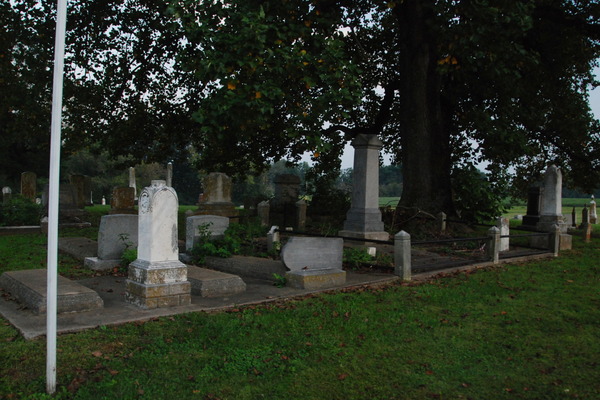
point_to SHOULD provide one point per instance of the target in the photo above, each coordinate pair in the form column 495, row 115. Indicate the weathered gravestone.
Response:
column 216, row 199
column 199, row 225
column 67, row 203
column 78, row 182
column 132, row 182
column 117, row 232
column 593, row 214
column 363, row 220
column 314, row 263
column 157, row 278
column 29, row 185
column 534, row 202
column 6, row 194
column 551, row 210
column 122, row 200
column 285, row 209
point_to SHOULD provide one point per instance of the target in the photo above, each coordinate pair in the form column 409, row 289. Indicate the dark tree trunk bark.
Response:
column 425, row 141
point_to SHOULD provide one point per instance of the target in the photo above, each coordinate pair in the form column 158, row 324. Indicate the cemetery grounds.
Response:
column 526, row 330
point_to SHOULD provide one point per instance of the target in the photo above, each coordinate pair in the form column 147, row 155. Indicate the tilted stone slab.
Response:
column 29, row 288
column 209, row 283
column 314, row 263
column 78, row 247
column 310, row 253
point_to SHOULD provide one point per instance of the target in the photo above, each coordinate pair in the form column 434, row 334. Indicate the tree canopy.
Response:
column 446, row 84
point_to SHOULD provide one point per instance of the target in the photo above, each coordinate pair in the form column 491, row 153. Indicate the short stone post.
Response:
column 272, row 237
column 6, row 194
column 494, row 244
column 262, row 209
column 504, row 225
column 301, row 215
column 593, row 215
column 554, row 240
column 157, row 278
column 170, row 174
column 402, row 256
column 441, row 218
column 586, row 227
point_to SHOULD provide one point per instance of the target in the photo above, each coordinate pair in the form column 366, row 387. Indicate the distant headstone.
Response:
column 67, row 203
column 314, row 263
column 6, row 194
column 262, row 210
column 116, row 233
column 157, row 278
column 593, row 214
column 78, row 182
column 551, row 211
column 363, row 220
column 215, row 226
column 573, row 218
column 29, row 185
column 122, row 200
column 216, row 199
column 534, row 201
column 283, row 208
column 103, row 200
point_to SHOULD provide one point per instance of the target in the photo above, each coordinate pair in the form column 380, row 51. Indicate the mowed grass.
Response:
column 526, row 331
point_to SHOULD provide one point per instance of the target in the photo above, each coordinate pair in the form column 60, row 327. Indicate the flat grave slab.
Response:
column 78, row 247
column 29, row 288
column 209, row 283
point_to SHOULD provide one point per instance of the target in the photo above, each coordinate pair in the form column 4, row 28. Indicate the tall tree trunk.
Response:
column 424, row 138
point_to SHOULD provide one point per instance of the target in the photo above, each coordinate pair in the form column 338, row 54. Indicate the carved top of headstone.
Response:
column 552, row 197
column 217, row 188
column 158, row 223
column 367, row 140
column 6, row 190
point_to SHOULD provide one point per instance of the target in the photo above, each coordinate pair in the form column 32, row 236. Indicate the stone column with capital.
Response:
column 363, row 220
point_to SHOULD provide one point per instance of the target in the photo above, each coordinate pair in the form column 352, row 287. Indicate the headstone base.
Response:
column 315, row 279
column 365, row 235
column 566, row 242
column 547, row 222
column 158, row 284
column 96, row 264
column 29, row 288
column 210, row 283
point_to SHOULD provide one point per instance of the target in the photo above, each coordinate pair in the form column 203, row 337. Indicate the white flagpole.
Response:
column 55, row 132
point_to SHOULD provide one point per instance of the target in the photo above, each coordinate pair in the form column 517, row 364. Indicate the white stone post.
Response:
column 402, row 256
column 272, row 237
column 504, row 225
column 494, row 244
column 157, row 278
column 363, row 220
column 593, row 214
column 441, row 218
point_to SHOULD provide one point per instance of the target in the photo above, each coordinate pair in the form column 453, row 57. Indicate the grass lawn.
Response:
column 527, row 331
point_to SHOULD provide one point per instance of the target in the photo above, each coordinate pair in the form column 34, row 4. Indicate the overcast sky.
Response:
column 594, row 104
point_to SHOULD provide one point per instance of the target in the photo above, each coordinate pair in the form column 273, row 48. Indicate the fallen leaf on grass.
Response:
column 97, row 353
column 341, row 377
